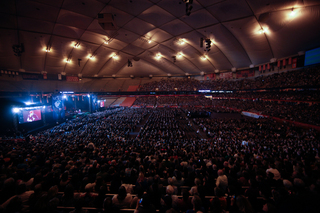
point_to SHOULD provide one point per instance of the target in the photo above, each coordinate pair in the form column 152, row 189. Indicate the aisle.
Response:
column 138, row 127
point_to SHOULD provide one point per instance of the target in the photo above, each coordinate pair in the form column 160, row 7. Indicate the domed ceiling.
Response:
column 104, row 38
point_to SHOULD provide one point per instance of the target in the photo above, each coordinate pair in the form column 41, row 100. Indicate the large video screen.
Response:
column 312, row 57
column 28, row 116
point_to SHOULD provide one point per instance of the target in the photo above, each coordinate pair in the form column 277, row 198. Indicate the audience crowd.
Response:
column 147, row 159
column 159, row 159
column 304, row 112
column 300, row 78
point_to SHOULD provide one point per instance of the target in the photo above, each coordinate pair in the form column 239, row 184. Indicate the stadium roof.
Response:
column 60, row 36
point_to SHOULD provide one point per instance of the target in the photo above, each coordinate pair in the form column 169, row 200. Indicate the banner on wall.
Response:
column 210, row 76
column 72, row 78
column 226, row 75
column 245, row 73
column 294, row 63
column 28, row 76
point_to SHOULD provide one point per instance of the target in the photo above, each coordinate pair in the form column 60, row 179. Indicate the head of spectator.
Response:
column 197, row 203
column 244, row 204
column 169, row 190
column 122, row 193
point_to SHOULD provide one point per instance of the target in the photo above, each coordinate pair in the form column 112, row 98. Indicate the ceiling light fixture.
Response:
column 158, row 56
column 77, row 45
column 203, row 57
column 262, row 31
column 293, row 12
column 114, row 56
column 149, row 41
column 68, row 60
column 181, row 41
column 91, row 57
column 48, row 49
column 179, row 55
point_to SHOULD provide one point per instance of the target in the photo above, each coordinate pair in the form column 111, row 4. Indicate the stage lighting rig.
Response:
column 188, row 6
column 208, row 44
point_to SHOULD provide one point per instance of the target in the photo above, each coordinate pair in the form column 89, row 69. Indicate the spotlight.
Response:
column 28, row 103
column 179, row 55
column 181, row 41
column 64, row 97
column 149, row 41
column 115, row 56
column 158, row 56
column 293, row 12
column 77, row 45
column 15, row 110
column 68, row 60
column 48, row 49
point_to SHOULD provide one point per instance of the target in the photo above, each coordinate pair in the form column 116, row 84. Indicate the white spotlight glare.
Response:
column 15, row 110
column 28, row 103
column 293, row 12
column 182, row 41
column 158, row 56
column 64, row 97
column 203, row 57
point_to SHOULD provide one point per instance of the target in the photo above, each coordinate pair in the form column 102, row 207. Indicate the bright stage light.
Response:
column 28, row 103
column 15, row 110
column 64, row 96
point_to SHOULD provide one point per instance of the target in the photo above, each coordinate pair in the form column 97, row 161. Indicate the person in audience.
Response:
column 109, row 207
column 122, row 199
column 222, row 181
column 194, row 189
column 145, row 205
column 79, row 207
column 197, row 205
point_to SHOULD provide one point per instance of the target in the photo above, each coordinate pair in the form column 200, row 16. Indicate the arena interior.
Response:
column 168, row 106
